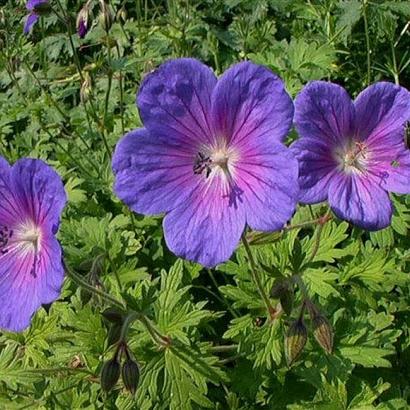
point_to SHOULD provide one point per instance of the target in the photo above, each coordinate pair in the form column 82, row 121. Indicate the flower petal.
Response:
column 268, row 176
column 207, row 227
column 152, row 176
column 30, row 21
column 360, row 200
column 393, row 169
column 21, row 292
column 174, row 101
column 324, row 111
column 316, row 167
column 32, row 4
column 251, row 100
column 381, row 114
column 39, row 192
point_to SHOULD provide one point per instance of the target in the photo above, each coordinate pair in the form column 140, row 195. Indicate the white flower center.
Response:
column 28, row 236
column 352, row 158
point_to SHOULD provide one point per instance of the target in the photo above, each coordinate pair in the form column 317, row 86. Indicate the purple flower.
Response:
column 36, row 7
column 211, row 156
column 32, row 198
column 353, row 153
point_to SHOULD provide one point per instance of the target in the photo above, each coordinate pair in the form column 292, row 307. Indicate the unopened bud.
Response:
column 323, row 332
column 130, row 375
column 110, row 373
column 122, row 14
column 114, row 334
column 106, row 16
column 295, row 340
column 283, row 291
column 86, row 88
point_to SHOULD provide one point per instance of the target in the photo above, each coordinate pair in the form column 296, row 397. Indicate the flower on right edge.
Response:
column 353, row 153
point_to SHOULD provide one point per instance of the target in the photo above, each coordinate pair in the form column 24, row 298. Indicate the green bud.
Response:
column 323, row 332
column 106, row 16
column 295, row 340
column 110, row 373
column 130, row 375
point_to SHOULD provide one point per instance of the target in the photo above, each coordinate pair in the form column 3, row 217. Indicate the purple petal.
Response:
column 23, row 293
column 393, row 169
column 207, row 227
column 174, row 101
column 324, row 111
column 40, row 192
column 152, row 176
column 360, row 200
column 82, row 28
column 268, row 176
column 316, row 168
column 32, row 197
column 381, row 114
column 32, row 4
column 30, row 21
column 249, row 100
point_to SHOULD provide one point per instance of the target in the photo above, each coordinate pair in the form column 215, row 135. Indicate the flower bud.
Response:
column 122, row 14
column 106, row 16
column 295, row 340
column 86, row 87
column 113, row 315
column 323, row 332
column 82, row 20
column 110, row 373
column 130, row 375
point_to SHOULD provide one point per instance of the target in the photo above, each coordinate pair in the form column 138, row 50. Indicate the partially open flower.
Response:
column 83, row 20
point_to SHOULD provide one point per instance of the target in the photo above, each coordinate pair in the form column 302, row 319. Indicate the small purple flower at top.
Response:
column 32, row 197
column 211, row 156
column 36, row 8
column 353, row 153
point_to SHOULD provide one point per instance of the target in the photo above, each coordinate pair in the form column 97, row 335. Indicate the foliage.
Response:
column 68, row 101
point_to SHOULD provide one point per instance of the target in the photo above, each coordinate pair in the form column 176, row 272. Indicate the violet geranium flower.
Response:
column 32, row 198
column 210, row 156
column 353, row 153
column 36, row 8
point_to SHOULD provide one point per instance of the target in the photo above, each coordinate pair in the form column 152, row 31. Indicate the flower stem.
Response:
column 257, row 280
column 366, row 33
column 81, row 282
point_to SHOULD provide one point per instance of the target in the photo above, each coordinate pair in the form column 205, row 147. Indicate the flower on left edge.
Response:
column 211, row 156
column 36, row 8
column 32, row 198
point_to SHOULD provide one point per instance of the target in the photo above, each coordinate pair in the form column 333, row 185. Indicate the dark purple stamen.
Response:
column 5, row 236
column 201, row 164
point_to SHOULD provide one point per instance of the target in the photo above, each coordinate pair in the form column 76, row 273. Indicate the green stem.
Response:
column 366, row 33
column 81, row 282
column 256, row 279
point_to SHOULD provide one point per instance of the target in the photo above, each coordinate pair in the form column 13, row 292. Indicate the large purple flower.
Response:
column 210, row 156
column 353, row 153
column 35, row 7
column 32, row 198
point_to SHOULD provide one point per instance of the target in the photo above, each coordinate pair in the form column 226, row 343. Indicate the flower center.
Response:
column 212, row 161
column 353, row 157
column 25, row 238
